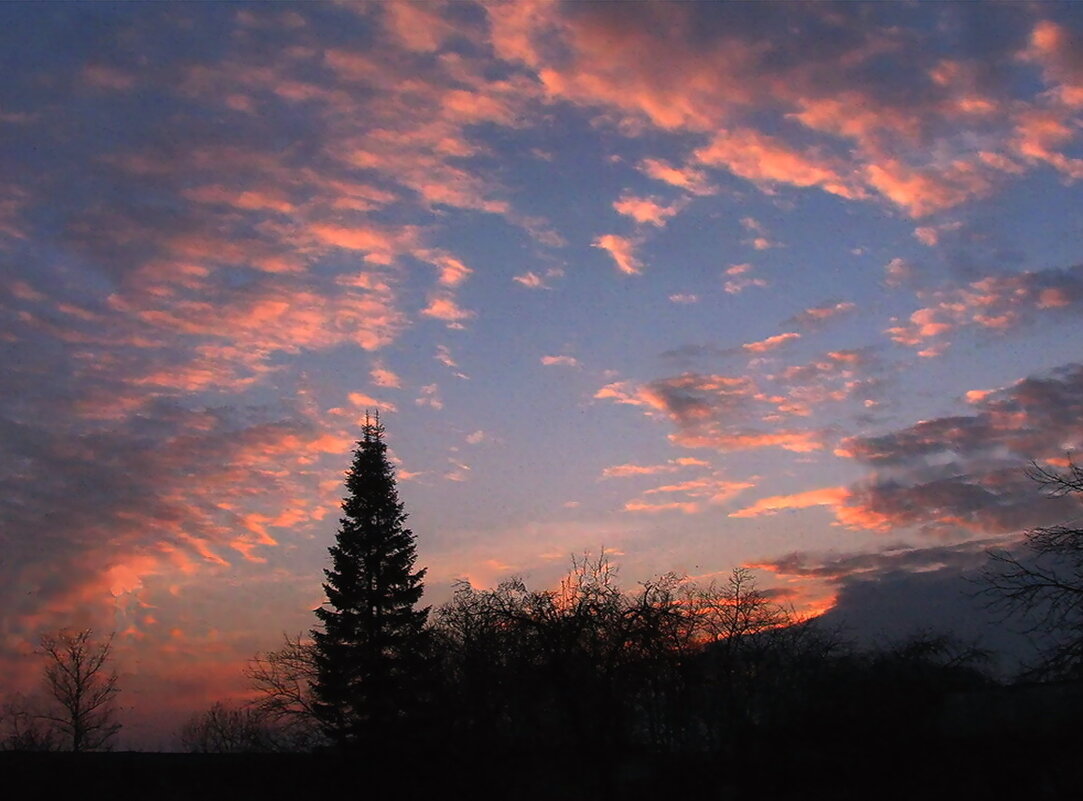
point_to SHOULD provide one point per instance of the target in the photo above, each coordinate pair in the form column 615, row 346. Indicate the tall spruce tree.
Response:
column 369, row 648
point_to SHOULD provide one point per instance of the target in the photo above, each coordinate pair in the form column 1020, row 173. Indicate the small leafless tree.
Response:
column 228, row 729
column 83, row 685
column 22, row 728
column 1043, row 585
column 284, row 680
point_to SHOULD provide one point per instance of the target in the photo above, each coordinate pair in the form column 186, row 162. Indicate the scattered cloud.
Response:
column 829, row 496
column 997, row 302
column 533, row 280
column 712, row 411
column 560, row 361
column 446, row 308
column 647, row 210
column 382, row 377
column 430, row 397
column 690, row 179
column 622, row 249
column 816, row 316
column 672, row 466
column 771, row 343
column 739, row 279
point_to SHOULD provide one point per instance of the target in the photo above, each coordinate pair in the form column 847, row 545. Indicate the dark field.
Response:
column 975, row 767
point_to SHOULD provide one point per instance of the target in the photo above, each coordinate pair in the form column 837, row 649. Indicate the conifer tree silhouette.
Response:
column 370, row 642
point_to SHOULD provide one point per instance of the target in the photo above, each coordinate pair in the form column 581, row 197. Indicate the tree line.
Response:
column 670, row 667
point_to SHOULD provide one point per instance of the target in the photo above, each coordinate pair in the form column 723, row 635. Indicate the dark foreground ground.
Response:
column 973, row 768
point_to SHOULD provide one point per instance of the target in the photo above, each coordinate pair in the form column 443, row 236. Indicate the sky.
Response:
column 789, row 286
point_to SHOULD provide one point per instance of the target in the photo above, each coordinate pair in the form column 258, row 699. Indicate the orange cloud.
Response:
column 672, row 466
column 727, row 441
column 827, row 496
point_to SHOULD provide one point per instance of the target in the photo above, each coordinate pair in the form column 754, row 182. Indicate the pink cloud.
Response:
column 996, row 302
column 898, row 272
column 818, row 315
column 771, row 343
column 766, row 161
column 363, row 401
column 622, row 250
column 646, row 210
column 418, row 27
column 688, row 178
column 714, row 488
column 914, row 150
column 686, row 507
column 1056, row 49
column 532, row 280
column 672, row 466
column 712, row 411
column 445, row 307
column 430, row 396
column 452, row 271
column 379, row 245
column 382, row 377
column 562, row 361
column 728, row 441
column 265, row 199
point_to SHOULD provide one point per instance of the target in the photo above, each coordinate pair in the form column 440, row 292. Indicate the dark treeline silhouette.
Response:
column 595, row 690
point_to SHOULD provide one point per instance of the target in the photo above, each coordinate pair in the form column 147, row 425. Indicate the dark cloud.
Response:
column 887, row 596
column 1039, row 417
column 968, row 472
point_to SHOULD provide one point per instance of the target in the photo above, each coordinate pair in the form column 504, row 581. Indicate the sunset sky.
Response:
column 789, row 286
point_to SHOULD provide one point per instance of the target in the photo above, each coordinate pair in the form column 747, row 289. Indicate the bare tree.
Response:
column 228, row 729
column 22, row 727
column 1044, row 584
column 284, row 680
column 731, row 613
column 83, row 686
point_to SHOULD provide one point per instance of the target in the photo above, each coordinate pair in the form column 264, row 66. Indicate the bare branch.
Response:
column 83, row 687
